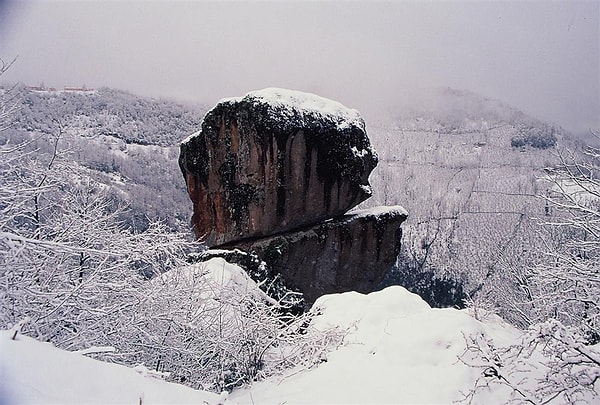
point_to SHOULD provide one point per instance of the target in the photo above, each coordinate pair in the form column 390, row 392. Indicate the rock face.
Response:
column 273, row 173
column 273, row 161
column 352, row 252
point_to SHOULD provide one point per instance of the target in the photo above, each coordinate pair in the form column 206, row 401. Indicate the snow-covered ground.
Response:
column 33, row 372
column 396, row 350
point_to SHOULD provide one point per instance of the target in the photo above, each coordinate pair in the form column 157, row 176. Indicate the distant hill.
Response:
column 470, row 172
column 117, row 113
column 127, row 142
column 451, row 111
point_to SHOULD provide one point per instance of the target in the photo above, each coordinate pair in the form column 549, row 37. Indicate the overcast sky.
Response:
column 541, row 56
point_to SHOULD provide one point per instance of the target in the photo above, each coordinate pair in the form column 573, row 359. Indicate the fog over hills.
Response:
column 541, row 56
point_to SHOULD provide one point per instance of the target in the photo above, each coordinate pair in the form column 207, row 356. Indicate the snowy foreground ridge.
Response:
column 397, row 350
column 33, row 372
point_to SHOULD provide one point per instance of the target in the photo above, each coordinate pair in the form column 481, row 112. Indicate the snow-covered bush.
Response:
column 211, row 327
column 565, row 281
column 551, row 364
column 558, row 358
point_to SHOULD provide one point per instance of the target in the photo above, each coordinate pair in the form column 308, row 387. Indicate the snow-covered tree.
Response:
column 8, row 98
column 75, row 272
column 567, row 280
column 67, row 261
column 558, row 358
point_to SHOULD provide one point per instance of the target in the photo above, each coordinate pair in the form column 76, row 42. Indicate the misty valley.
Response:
column 501, row 237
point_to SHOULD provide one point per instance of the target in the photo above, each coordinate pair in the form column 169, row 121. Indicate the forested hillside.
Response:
column 127, row 142
column 473, row 174
column 133, row 119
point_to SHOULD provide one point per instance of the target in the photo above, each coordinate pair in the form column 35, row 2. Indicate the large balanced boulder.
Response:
column 349, row 253
column 272, row 161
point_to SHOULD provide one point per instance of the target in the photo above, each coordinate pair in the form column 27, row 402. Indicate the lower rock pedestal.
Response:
column 349, row 253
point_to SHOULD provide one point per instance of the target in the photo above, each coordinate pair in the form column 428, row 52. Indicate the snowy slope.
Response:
column 32, row 372
column 397, row 350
